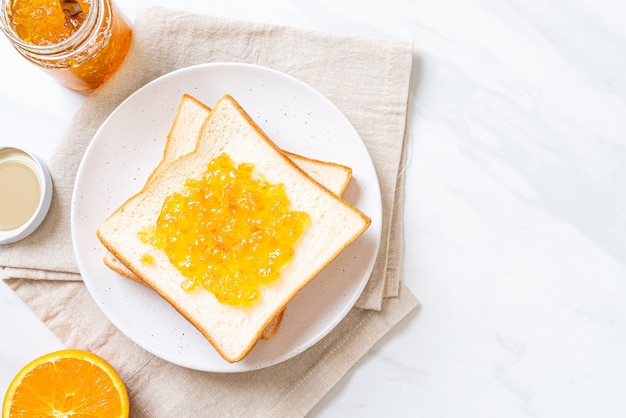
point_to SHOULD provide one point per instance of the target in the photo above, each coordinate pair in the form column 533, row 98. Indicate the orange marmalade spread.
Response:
column 230, row 232
column 80, row 49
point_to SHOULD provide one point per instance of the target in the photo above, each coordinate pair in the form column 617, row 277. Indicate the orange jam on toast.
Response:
column 230, row 232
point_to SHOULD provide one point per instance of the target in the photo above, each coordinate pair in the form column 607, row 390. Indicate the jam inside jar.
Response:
column 81, row 46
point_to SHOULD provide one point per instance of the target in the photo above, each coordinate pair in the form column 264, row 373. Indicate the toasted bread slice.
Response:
column 232, row 330
column 182, row 139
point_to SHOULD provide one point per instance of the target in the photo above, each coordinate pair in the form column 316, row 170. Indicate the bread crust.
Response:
column 245, row 140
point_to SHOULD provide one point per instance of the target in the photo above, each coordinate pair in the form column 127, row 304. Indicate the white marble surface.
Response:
column 515, row 209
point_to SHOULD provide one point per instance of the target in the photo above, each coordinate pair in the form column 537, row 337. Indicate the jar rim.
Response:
column 83, row 35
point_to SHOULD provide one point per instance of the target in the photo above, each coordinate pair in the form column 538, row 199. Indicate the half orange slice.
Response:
column 66, row 383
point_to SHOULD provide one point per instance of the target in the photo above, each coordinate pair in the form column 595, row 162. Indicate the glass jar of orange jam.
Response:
column 79, row 42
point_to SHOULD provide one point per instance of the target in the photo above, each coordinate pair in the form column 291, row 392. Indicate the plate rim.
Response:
column 210, row 66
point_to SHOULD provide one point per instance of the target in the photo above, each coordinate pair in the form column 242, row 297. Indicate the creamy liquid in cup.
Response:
column 25, row 194
column 20, row 191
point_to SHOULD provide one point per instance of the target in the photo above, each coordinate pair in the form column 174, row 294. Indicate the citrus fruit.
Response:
column 66, row 383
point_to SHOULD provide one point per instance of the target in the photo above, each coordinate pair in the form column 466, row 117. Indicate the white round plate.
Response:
column 129, row 145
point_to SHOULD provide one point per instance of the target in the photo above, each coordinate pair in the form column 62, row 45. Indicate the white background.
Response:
column 515, row 205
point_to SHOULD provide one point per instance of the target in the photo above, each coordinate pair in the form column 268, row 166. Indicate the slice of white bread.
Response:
column 334, row 176
column 232, row 330
column 182, row 139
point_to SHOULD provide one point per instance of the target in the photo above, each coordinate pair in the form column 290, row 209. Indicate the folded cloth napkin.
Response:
column 368, row 79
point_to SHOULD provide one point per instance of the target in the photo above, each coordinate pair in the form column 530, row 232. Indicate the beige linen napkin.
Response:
column 368, row 79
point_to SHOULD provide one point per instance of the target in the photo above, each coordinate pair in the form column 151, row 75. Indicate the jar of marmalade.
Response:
column 79, row 42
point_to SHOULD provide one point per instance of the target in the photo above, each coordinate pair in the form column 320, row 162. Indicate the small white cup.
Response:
column 11, row 155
